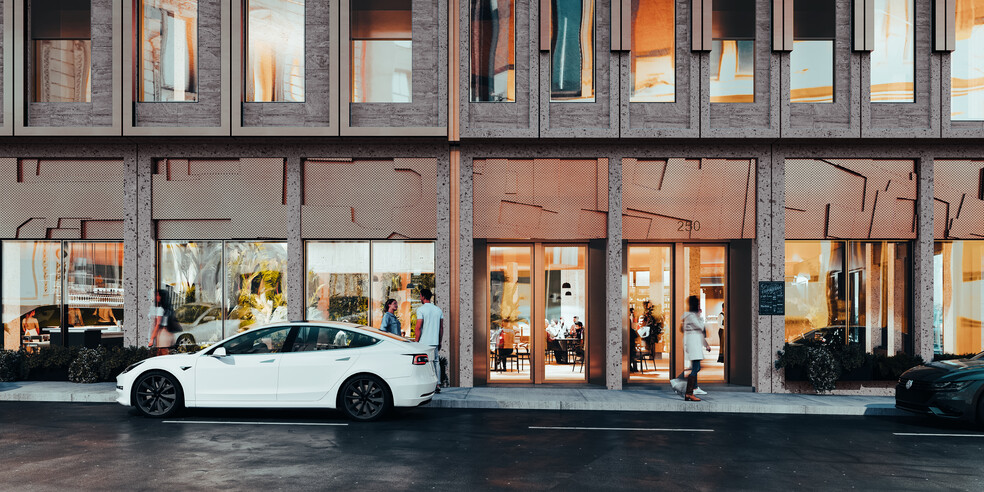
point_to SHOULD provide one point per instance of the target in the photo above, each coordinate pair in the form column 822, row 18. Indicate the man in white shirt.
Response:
column 430, row 329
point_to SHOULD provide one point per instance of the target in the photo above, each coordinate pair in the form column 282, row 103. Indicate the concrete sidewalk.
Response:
column 581, row 398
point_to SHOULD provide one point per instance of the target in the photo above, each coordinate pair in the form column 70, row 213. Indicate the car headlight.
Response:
column 950, row 385
column 131, row 366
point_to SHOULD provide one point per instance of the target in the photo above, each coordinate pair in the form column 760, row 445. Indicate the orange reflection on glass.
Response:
column 381, row 51
column 811, row 72
column 967, row 63
column 493, row 51
column 275, row 51
column 958, row 297
column 732, row 71
column 653, row 51
column 168, row 50
column 892, row 60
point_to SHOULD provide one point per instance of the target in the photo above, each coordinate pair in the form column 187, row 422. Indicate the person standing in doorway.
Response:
column 693, row 342
column 430, row 329
column 391, row 323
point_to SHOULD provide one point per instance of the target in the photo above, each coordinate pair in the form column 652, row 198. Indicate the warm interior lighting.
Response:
column 653, row 67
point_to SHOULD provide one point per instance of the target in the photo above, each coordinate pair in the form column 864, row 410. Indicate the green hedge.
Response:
column 825, row 363
column 79, row 365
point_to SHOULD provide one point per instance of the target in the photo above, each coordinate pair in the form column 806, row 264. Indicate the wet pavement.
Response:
column 62, row 446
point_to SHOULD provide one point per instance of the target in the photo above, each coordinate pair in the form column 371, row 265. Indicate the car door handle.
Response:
column 343, row 358
column 267, row 361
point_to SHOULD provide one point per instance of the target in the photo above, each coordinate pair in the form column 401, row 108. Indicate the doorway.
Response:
column 660, row 278
column 537, row 318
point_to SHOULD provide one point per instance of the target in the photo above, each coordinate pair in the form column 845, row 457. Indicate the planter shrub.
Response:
column 50, row 363
column 118, row 358
column 85, row 367
column 12, row 365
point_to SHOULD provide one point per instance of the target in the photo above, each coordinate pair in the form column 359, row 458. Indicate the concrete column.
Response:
column 146, row 257
column 613, row 280
column 131, row 245
column 295, row 244
column 442, row 252
column 769, row 252
column 466, row 277
column 922, row 262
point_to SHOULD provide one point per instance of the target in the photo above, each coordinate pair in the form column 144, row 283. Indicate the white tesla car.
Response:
column 359, row 370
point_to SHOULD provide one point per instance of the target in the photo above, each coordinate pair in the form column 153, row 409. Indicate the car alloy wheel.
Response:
column 364, row 398
column 186, row 340
column 157, row 394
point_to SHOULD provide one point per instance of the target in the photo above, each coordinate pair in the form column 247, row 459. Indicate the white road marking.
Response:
column 936, row 435
column 252, row 423
column 621, row 429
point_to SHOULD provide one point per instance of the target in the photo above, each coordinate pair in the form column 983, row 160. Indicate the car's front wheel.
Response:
column 365, row 398
column 157, row 394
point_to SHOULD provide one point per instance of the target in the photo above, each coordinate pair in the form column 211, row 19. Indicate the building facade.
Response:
column 530, row 162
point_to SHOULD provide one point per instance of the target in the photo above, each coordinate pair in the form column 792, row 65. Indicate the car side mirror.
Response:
column 219, row 352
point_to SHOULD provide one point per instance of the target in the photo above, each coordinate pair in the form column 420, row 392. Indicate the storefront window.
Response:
column 192, row 272
column 653, row 69
column 255, row 284
column 493, row 51
column 958, row 297
column 382, row 54
column 275, row 51
column 399, row 271
column 168, row 50
column 572, row 50
column 60, row 37
column 733, row 51
column 892, row 59
column 967, row 63
column 849, row 292
column 54, row 288
column 811, row 63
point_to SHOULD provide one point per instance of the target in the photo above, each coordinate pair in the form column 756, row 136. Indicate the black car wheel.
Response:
column 364, row 397
column 157, row 394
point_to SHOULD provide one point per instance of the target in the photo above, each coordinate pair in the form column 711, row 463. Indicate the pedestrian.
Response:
column 160, row 315
column 430, row 329
column 693, row 341
column 391, row 323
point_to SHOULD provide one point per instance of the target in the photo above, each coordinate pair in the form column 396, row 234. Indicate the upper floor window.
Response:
column 382, row 54
column 168, row 50
column 572, row 50
column 275, row 51
column 733, row 51
column 653, row 51
column 811, row 63
column 493, row 51
column 62, row 49
column 892, row 59
column 967, row 63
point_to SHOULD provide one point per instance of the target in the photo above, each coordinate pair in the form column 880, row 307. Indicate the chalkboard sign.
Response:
column 772, row 299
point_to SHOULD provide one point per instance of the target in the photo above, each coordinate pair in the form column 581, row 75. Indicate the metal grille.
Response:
column 541, row 198
column 61, row 198
column 850, row 199
column 958, row 205
column 688, row 199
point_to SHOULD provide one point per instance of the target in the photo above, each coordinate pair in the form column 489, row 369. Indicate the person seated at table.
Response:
column 555, row 331
column 577, row 329
column 505, row 344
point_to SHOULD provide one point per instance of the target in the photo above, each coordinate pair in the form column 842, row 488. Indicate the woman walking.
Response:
column 693, row 342
column 160, row 314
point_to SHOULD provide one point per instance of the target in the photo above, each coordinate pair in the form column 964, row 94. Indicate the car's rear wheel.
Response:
column 157, row 394
column 365, row 398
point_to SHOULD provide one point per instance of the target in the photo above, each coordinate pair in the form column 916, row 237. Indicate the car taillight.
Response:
column 420, row 359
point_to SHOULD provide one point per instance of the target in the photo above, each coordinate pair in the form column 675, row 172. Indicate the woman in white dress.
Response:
column 694, row 343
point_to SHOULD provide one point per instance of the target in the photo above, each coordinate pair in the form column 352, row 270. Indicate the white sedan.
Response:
column 359, row 370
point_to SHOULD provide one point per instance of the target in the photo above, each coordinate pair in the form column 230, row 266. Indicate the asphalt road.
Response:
column 72, row 446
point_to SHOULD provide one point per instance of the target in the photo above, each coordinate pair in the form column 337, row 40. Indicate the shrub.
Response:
column 118, row 358
column 12, row 366
column 893, row 367
column 952, row 356
column 85, row 367
column 823, row 369
column 49, row 359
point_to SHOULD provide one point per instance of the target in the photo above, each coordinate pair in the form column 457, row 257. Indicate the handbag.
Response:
column 173, row 325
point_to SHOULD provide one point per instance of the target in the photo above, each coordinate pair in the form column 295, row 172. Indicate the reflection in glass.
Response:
column 967, row 63
column 565, row 295
column 704, row 276
column 653, row 51
column 868, row 305
column 168, row 50
column 510, row 305
column 382, row 54
column 572, row 51
column 338, row 281
column 811, row 72
column 31, row 292
column 958, row 297
column 732, row 71
column 192, row 273
column 399, row 271
column 94, row 284
column 892, row 60
column 255, row 283
column 275, row 51
column 650, row 284
column 493, row 51
column 60, row 38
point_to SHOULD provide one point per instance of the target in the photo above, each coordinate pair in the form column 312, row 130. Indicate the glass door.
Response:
column 650, row 320
column 510, row 305
column 704, row 273
column 564, row 314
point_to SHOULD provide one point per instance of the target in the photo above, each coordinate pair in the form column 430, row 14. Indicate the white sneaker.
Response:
column 698, row 391
column 678, row 385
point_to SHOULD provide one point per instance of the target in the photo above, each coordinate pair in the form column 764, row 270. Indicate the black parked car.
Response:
column 949, row 388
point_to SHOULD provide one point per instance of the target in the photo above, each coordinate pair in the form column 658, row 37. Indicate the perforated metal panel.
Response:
column 220, row 198
column 370, row 198
column 850, row 199
column 688, row 199
column 541, row 198
column 61, row 198
column 958, row 205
